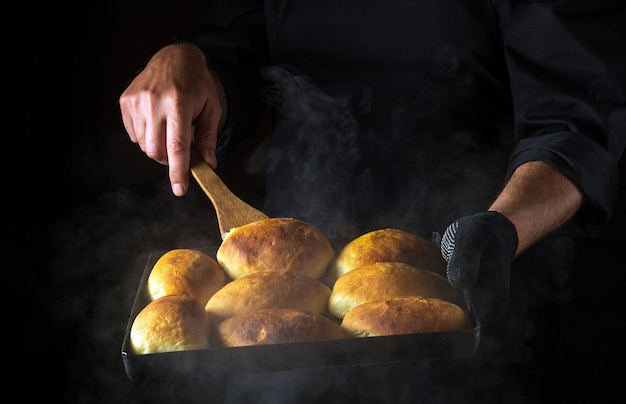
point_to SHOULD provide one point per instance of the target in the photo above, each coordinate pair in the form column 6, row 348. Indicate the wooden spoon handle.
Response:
column 231, row 211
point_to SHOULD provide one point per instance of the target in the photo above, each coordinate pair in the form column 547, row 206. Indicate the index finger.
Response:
column 180, row 133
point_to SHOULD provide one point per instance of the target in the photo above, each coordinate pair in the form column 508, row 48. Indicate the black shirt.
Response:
column 413, row 113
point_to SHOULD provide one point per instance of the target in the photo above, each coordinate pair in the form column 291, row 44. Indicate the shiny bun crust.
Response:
column 275, row 326
column 275, row 244
column 404, row 315
column 384, row 280
column 386, row 245
column 186, row 272
column 268, row 289
column 170, row 323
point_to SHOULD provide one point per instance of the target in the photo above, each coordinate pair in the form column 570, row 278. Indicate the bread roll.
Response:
column 170, row 323
column 275, row 244
column 268, row 289
column 186, row 272
column 404, row 315
column 275, row 326
column 386, row 245
column 384, row 280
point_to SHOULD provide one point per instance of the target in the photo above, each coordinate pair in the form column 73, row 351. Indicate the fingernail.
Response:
column 178, row 189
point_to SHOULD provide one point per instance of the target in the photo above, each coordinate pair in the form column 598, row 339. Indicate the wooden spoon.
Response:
column 231, row 211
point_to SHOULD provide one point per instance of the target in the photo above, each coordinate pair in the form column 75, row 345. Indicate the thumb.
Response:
column 465, row 261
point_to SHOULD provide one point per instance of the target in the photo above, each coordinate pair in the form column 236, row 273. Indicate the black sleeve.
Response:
column 567, row 65
column 233, row 36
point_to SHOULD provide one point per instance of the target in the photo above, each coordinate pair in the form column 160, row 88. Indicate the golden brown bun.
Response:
column 268, row 289
column 170, row 323
column 186, row 272
column 404, row 315
column 275, row 326
column 384, row 280
column 386, row 245
column 275, row 244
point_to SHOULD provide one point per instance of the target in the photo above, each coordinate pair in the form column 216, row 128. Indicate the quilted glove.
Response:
column 479, row 249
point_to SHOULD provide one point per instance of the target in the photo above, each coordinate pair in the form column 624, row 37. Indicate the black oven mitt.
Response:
column 479, row 250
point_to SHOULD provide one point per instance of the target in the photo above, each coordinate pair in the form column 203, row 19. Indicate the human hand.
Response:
column 479, row 250
column 175, row 92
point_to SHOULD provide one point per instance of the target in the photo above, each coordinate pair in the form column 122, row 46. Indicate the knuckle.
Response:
column 177, row 146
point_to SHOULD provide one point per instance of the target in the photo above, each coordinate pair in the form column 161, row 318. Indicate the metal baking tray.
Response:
column 217, row 363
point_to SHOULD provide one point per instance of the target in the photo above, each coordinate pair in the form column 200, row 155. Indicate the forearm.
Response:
column 537, row 200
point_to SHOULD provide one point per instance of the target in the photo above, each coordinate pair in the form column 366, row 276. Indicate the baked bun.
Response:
column 275, row 244
column 186, row 272
column 268, row 289
column 275, row 326
column 386, row 245
column 170, row 323
column 384, row 280
column 404, row 315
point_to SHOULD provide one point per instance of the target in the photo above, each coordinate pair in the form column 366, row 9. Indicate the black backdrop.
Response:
column 99, row 206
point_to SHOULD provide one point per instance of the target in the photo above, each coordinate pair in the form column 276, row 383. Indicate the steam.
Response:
column 415, row 174
column 323, row 125
column 97, row 256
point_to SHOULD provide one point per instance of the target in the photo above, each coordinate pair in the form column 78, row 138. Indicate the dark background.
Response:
column 98, row 206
